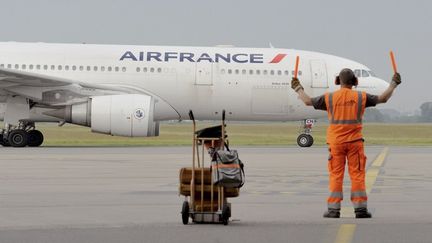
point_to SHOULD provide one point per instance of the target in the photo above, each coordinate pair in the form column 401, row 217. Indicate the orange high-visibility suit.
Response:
column 345, row 109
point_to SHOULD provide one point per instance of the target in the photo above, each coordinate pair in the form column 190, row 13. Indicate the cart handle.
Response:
column 191, row 115
column 223, row 115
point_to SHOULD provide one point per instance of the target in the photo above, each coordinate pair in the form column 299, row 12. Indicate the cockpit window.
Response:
column 372, row 74
column 357, row 73
column 365, row 73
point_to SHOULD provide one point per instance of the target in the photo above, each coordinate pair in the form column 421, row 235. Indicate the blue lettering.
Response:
column 154, row 55
column 170, row 55
column 236, row 58
column 256, row 58
column 226, row 58
column 128, row 55
column 186, row 56
column 205, row 57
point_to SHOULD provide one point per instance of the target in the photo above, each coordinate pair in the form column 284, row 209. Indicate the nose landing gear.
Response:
column 305, row 138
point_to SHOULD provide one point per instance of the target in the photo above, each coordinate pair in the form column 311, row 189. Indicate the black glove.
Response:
column 396, row 80
column 295, row 84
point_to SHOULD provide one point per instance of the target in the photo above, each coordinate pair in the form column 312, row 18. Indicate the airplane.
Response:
column 126, row 90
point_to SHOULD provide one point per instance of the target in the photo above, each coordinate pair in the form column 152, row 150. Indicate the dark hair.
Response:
column 346, row 77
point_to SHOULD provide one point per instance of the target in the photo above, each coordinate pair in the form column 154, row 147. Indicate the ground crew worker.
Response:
column 345, row 109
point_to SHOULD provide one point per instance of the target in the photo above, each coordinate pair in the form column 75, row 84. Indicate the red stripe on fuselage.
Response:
column 278, row 58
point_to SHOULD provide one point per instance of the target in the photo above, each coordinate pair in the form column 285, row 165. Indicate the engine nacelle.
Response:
column 119, row 115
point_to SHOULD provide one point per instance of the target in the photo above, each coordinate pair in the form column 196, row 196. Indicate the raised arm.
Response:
column 385, row 96
column 297, row 87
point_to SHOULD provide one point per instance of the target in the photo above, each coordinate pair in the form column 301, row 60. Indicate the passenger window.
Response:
column 81, row 68
column 365, row 73
column 145, row 69
column 159, row 70
column 258, row 72
column 357, row 73
column 138, row 69
column 9, row 66
column 300, row 73
column 117, row 69
column 23, row 66
column 67, row 67
column 88, row 68
column 286, row 72
column 45, row 67
column 152, row 70
column 279, row 72
column 52, row 67
column 60, row 67
column 265, row 72
column 272, row 72
column 251, row 72
column 109, row 69
column 229, row 71
column 124, row 69
column 244, row 71
column 102, row 68
column 16, row 66
column 73, row 68
column 95, row 68
column 31, row 66
column 38, row 67
column 2, row 65
column 237, row 71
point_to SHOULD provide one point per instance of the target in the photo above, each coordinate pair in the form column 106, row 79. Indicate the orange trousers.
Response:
column 352, row 152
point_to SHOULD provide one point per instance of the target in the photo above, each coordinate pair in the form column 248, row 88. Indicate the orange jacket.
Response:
column 345, row 109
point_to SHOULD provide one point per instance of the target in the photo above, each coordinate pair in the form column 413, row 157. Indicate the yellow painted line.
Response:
column 345, row 233
column 372, row 173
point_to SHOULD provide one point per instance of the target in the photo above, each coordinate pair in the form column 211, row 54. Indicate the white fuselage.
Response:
column 251, row 84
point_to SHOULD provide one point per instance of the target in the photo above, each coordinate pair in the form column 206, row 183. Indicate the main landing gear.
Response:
column 23, row 135
column 305, row 138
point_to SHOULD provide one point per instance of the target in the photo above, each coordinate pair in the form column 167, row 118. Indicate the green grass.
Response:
column 275, row 134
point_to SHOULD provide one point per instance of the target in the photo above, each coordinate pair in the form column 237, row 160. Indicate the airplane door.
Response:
column 319, row 74
column 204, row 73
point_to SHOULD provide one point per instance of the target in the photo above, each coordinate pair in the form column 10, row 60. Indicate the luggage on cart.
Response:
column 206, row 189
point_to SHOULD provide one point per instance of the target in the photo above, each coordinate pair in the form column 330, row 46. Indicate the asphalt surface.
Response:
column 130, row 195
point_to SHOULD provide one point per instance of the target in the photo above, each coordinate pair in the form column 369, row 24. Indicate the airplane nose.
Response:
column 382, row 85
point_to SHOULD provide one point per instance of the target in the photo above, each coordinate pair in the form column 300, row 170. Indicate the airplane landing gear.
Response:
column 23, row 135
column 305, row 138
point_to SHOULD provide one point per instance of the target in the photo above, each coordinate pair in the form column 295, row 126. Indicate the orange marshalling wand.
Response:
column 393, row 61
column 296, row 66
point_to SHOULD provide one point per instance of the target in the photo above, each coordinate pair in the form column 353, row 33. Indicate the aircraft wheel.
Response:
column 18, row 138
column 185, row 212
column 35, row 138
column 4, row 142
column 305, row 140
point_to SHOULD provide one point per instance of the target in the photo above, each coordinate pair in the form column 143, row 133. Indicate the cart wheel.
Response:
column 311, row 140
column 226, row 213
column 185, row 213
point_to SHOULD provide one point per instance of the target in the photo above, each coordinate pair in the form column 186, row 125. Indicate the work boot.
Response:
column 362, row 213
column 332, row 213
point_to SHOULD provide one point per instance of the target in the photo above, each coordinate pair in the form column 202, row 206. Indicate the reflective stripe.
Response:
column 359, row 111
column 334, row 205
column 358, row 194
column 360, row 204
column 360, row 102
column 336, row 195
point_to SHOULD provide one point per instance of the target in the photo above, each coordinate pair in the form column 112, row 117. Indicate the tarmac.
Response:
column 51, row 194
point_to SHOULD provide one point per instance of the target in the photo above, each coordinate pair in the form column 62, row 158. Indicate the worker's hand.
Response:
column 295, row 84
column 396, row 80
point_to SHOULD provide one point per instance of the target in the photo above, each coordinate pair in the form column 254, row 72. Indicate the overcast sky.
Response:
column 363, row 31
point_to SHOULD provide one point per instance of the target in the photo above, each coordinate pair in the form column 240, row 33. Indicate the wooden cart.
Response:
column 204, row 202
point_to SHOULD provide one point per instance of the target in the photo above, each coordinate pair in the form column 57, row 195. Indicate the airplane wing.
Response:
column 49, row 90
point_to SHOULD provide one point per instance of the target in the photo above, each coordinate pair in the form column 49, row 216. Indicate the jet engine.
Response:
column 130, row 115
